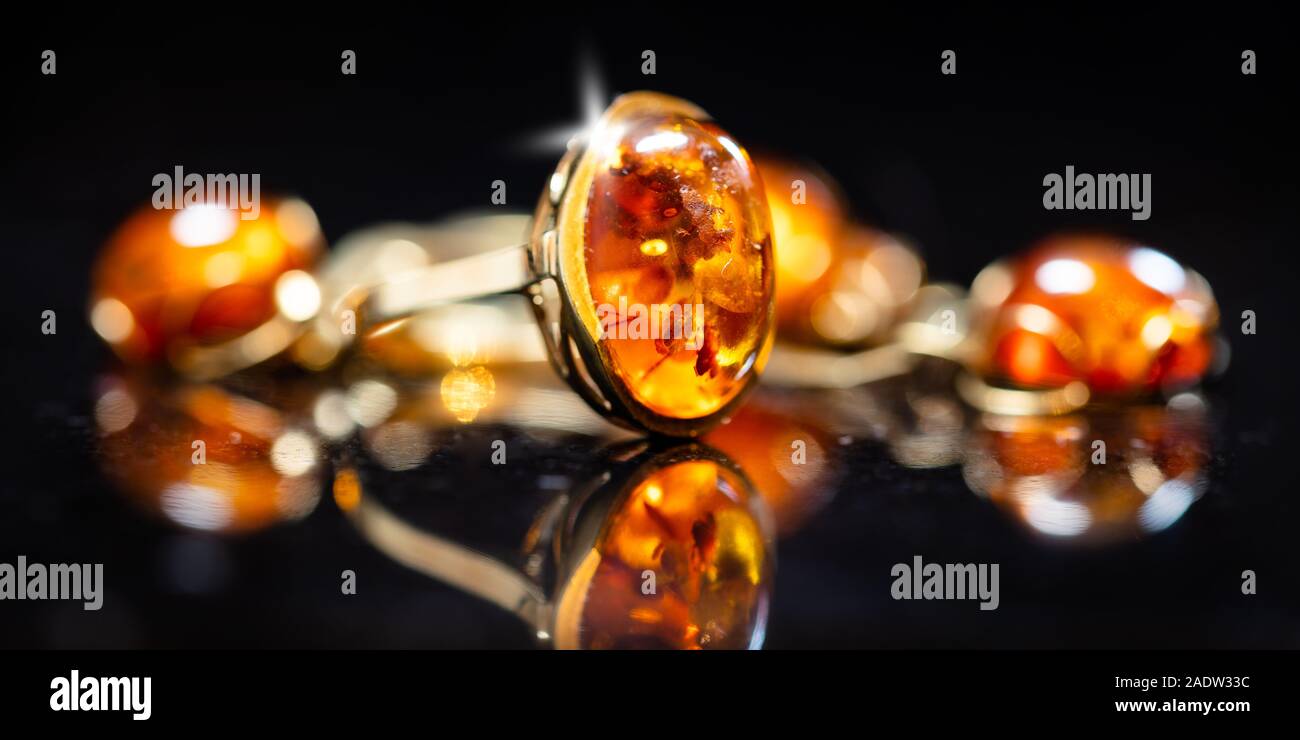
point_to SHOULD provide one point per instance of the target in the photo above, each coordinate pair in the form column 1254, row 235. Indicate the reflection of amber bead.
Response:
column 251, row 470
column 785, row 458
column 837, row 282
column 676, row 218
column 202, row 275
column 1121, row 318
column 690, row 526
column 1100, row 475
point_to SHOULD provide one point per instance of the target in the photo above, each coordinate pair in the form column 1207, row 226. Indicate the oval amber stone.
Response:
column 1124, row 319
column 690, row 523
column 678, row 259
column 201, row 275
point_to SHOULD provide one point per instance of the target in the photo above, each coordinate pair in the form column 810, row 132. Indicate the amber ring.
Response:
column 648, row 264
column 686, row 516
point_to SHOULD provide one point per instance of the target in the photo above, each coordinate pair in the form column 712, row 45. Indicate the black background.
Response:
column 440, row 108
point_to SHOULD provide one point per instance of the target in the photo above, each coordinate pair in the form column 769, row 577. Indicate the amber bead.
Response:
column 1122, row 318
column 172, row 279
column 808, row 219
column 838, row 282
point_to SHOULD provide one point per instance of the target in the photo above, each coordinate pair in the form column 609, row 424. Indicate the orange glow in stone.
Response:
column 202, row 275
column 691, row 525
column 837, row 281
column 808, row 218
column 760, row 438
column 1122, row 318
column 676, row 218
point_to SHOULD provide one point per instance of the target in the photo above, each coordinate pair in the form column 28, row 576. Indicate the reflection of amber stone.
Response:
column 206, row 459
column 676, row 218
column 691, row 526
column 1034, row 446
column 785, row 458
column 1100, row 475
column 196, row 276
column 1123, row 319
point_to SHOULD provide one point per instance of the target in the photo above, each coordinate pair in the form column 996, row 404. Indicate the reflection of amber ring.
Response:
column 649, row 265
column 665, row 548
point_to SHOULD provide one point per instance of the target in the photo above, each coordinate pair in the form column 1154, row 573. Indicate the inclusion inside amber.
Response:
column 677, row 258
column 683, row 563
column 202, row 275
column 1124, row 319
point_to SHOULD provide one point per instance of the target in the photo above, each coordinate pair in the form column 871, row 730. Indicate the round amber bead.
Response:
column 838, row 282
column 202, row 275
column 678, row 260
column 808, row 220
column 1121, row 318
